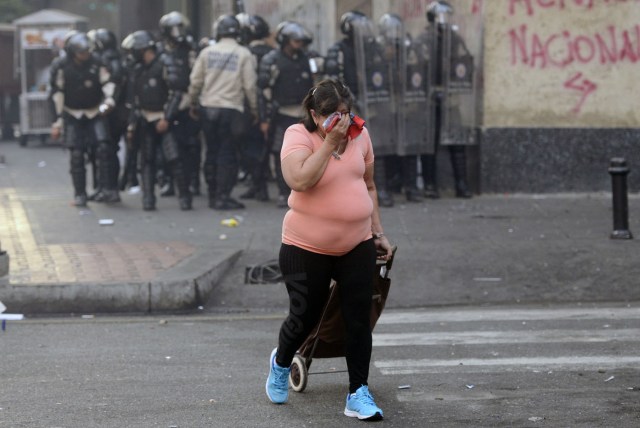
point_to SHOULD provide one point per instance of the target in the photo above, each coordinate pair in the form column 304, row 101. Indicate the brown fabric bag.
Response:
column 328, row 336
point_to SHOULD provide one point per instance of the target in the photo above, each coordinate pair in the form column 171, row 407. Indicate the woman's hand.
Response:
column 338, row 133
column 384, row 248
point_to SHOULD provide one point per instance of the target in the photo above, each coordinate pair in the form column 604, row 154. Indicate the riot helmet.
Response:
column 347, row 20
column 135, row 44
column 226, row 26
column 391, row 28
column 174, row 26
column 77, row 43
column 252, row 27
column 103, row 39
column 439, row 11
column 291, row 30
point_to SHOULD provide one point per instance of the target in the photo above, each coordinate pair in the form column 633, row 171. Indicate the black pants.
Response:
column 307, row 276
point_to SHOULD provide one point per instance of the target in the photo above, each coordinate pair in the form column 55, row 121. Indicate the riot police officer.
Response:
column 408, row 77
column 153, row 94
column 439, row 29
column 81, row 94
column 222, row 80
column 255, row 32
column 105, row 46
column 341, row 56
column 179, row 55
column 284, row 78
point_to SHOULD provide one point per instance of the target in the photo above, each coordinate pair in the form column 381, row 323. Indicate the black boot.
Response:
column 226, row 202
column 410, row 178
column 107, row 174
column 380, row 178
column 429, row 176
column 459, row 165
column 182, row 183
column 148, row 188
column 226, row 177
column 78, row 178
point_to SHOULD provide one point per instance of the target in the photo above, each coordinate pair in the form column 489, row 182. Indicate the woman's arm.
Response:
column 382, row 242
column 302, row 169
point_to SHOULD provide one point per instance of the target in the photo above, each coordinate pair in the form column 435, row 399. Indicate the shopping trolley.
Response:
column 327, row 339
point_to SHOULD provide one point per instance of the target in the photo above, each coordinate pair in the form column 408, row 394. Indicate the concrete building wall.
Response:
column 569, row 64
column 558, row 82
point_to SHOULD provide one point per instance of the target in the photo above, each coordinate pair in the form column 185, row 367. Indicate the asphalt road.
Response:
column 493, row 366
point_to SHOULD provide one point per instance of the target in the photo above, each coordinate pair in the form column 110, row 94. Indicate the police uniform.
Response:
column 283, row 82
column 81, row 91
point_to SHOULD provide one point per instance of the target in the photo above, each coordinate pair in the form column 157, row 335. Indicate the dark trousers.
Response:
column 223, row 132
column 307, row 277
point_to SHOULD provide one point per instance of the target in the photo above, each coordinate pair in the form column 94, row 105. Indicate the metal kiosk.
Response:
column 39, row 40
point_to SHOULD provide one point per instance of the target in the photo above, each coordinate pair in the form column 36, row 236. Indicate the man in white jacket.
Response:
column 223, row 76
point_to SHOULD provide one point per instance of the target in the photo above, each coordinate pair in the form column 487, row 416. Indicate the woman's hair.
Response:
column 324, row 98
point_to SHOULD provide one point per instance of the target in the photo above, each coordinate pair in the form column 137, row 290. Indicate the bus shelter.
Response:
column 39, row 40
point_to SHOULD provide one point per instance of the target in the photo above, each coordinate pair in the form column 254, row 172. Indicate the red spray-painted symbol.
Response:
column 476, row 7
column 585, row 86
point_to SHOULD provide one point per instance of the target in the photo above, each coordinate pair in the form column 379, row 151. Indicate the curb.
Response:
column 183, row 287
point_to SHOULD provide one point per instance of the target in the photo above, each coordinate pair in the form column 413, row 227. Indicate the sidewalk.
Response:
column 491, row 249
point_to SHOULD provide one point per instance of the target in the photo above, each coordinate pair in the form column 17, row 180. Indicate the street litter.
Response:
column 42, row 164
column 470, row 386
column 222, row 237
column 535, row 418
column 88, row 317
column 134, row 190
column 163, row 322
column 404, row 387
column 609, row 378
column 106, row 222
column 230, row 222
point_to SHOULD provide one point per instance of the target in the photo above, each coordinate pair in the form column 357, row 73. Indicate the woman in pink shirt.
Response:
column 331, row 231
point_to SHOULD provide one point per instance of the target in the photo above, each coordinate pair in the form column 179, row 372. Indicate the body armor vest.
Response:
column 259, row 50
column 151, row 90
column 82, row 87
column 176, row 62
column 294, row 79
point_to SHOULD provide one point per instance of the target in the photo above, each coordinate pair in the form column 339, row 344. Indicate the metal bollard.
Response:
column 618, row 170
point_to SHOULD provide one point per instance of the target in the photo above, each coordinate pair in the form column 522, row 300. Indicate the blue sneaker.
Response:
column 278, row 381
column 361, row 405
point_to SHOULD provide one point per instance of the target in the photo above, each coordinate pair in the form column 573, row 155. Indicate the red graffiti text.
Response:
column 563, row 48
column 531, row 6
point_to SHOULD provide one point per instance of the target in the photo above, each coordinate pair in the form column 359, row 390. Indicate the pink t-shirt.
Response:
column 333, row 216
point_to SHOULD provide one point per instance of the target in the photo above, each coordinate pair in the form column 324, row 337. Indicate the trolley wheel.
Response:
column 299, row 374
column 23, row 140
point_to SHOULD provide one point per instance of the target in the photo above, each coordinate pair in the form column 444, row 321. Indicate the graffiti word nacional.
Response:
column 561, row 49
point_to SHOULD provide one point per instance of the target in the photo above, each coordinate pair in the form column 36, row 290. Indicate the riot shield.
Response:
column 452, row 86
column 376, row 100
column 414, row 124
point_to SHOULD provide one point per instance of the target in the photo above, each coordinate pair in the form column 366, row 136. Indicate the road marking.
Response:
column 496, row 365
column 506, row 336
column 517, row 314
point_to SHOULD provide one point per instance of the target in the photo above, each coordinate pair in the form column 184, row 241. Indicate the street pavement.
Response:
column 491, row 249
column 499, row 366
column 504, row 311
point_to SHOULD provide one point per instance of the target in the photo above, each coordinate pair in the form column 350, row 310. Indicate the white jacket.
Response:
column 223, row 76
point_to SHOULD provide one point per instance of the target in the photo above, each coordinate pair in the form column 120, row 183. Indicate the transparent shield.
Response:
column 376, row 100
column 414, row 119
column 452, row 87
